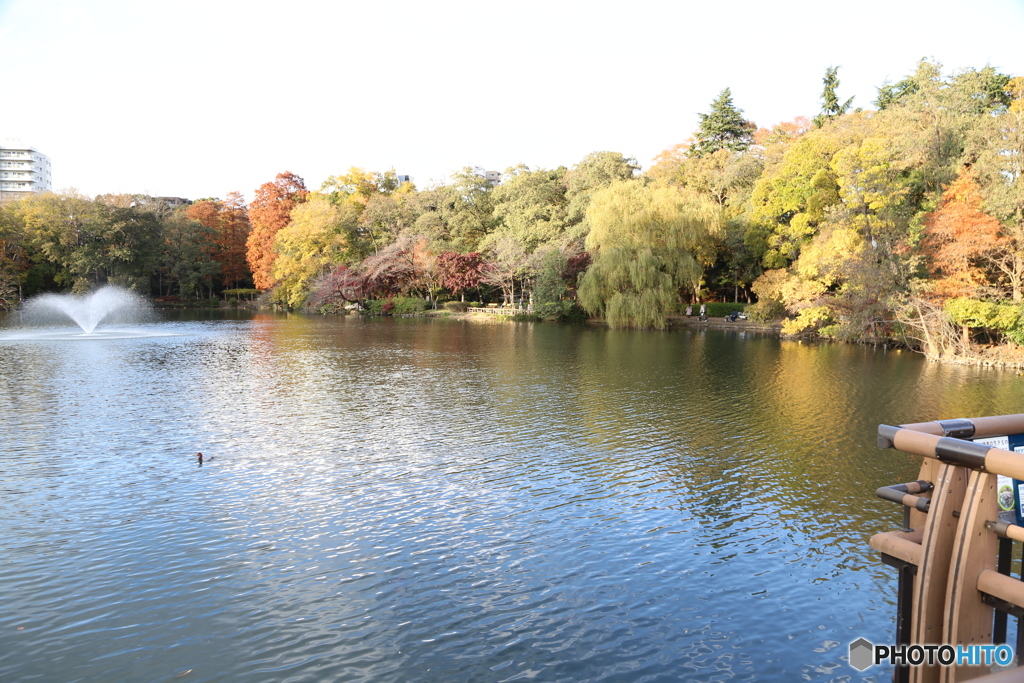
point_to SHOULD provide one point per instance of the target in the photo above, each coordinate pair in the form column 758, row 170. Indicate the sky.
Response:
column 200, row 98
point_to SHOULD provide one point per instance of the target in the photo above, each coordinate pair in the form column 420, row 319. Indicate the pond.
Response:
column 417, row 500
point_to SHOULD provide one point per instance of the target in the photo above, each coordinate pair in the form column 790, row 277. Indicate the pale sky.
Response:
column 198, row 98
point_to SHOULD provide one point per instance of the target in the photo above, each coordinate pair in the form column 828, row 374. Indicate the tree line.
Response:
column 902, row 221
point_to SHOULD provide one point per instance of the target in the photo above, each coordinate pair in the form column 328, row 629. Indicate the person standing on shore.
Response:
column 689, row 310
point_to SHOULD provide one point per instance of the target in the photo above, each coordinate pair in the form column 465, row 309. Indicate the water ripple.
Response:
column 407, row 501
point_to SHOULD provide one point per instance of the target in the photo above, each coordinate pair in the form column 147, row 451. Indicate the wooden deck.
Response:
column 499, row 310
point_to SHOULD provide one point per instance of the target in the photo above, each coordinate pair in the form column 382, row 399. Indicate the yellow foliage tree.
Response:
column 317, row 237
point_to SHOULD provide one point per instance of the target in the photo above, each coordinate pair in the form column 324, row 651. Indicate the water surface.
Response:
column 409, row 500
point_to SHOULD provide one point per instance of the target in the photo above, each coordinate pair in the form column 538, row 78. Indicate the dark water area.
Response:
column 413, row 500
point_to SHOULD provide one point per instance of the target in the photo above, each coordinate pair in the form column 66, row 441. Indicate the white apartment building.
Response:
column 23, row 170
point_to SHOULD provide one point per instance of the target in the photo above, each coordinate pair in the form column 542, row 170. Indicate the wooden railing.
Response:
column 954, row 552
column 500, row 310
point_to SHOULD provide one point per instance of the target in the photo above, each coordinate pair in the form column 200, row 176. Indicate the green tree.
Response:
column 830, row 106
column 14, row 257
column 998, row 150
column 726, row 178
column 722, row 128
column 530, row 205
column 507, row 262
column 187, row 256
column 460, row 214
column 385, row 217
column 594, row 172
column 648, row 244
column 891, row 94
column 93, row 242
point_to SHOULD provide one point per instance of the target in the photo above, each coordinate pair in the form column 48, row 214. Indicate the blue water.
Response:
column 408, row 500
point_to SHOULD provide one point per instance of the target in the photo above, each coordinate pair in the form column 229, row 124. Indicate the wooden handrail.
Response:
column 956, row 451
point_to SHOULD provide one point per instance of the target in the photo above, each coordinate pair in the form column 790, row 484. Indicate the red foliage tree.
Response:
column 958, row 238
column 269, row 212
column 393, row 270
column 340, row 285
column 460, row 272
column 575, row 265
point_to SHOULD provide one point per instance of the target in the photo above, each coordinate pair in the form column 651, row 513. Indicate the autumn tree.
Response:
column 319, row 235
column 269, row 212
column 959, row 239
column 407, row 265
column 228, row 225
column 933, row 124
column 231, row 240
column 338, row 287
column 360, row 185
column 428, row 274
column 460, row 272
column 792, row 197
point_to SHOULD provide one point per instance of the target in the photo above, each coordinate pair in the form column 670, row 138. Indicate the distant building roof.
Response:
column 15, row 143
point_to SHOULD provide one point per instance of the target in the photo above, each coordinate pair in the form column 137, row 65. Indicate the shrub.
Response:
column 563, row 311
column 765, row 311
column 398, row 305
column 456, row 306
column 406, row 305
column 1005, row 318
column 720, row 310
column 332, row 308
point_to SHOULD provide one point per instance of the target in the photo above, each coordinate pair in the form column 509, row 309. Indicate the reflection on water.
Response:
column 403, row 500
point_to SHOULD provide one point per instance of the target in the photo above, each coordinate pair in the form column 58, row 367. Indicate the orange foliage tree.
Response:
column 229, row 222
column 232, row 238
column 269, row 212
column 959, row 239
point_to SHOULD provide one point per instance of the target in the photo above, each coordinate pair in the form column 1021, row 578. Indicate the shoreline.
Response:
column 674, row 321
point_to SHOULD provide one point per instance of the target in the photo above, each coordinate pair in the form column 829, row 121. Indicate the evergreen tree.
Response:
column 830, row 107
column 723, row 128
column 891, row 94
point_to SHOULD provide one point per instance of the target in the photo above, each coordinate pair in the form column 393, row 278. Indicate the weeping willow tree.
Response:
column 648, row 243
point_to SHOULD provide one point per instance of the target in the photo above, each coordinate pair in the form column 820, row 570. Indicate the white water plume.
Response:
column 107, row 306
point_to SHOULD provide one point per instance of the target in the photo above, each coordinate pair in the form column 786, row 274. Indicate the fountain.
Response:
column 113, row 310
